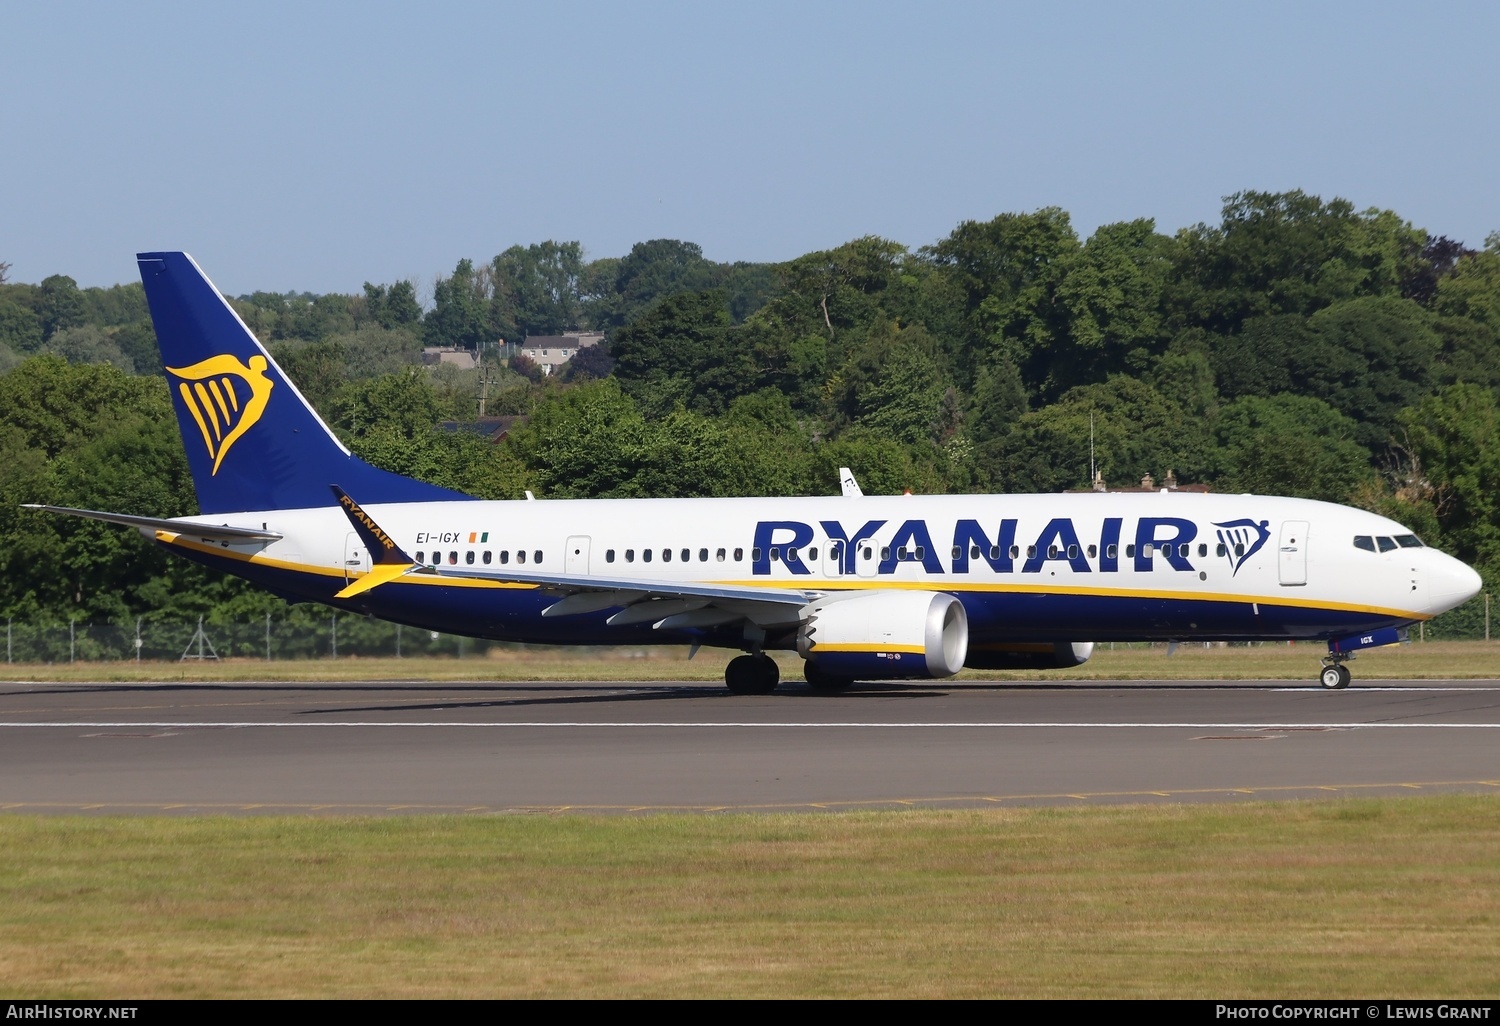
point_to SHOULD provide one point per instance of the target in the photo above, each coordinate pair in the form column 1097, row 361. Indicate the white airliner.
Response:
column 862, row 587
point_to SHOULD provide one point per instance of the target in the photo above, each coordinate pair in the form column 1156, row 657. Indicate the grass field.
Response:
column 1355, row 898
column 1433, row 660
column 1352, row 897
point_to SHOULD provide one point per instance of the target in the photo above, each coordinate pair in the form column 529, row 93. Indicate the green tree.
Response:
column 20, row 329
column 1453, row 438
column 683, row 350
column 460, row 309
column 59, row 304
column 537, row 289
column 1279, row 253
column 1290, row 445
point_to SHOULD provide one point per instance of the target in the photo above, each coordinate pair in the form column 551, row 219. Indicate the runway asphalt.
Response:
column 398, row 747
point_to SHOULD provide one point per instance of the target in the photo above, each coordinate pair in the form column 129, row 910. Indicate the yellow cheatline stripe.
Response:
column 1040, row 588
column 853, row 647
column 861, row 584
column 176, row 538
column 192, row 407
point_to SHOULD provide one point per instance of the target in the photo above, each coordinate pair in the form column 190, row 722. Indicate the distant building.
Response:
column 552, row 351
column 495, row 429
column 453, row 356
column 1148, row 484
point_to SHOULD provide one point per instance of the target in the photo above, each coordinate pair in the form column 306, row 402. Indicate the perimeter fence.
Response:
column 338, row 636
column 147, row 639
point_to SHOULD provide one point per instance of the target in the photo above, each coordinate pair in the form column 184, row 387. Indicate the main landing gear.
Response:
column 1335, row 675
column 823, row 682
column 752, row 675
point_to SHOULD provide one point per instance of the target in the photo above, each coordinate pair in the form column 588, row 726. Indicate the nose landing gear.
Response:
column 1335, row 675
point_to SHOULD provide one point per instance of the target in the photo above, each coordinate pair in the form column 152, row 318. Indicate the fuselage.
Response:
column 1059, row 567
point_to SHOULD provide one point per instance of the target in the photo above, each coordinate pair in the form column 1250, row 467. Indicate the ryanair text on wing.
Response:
column 1164, row 538
column 364, row 518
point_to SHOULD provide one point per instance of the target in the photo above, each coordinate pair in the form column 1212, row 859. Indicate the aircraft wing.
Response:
column 665, row 603
column 150, row 525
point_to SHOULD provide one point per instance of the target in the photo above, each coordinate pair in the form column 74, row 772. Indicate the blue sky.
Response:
column 317, row 145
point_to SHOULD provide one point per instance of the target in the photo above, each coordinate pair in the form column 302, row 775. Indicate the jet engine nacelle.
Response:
column 885, row 635
column 1040, row 655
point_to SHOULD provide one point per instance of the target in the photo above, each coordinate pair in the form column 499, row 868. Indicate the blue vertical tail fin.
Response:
column 253, row 442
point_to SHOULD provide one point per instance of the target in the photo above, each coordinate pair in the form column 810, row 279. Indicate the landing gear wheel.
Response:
column 752, row 675
column 823, row 682
column 1335, row 677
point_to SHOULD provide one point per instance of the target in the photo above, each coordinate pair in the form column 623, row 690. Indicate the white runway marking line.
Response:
column 748, row 724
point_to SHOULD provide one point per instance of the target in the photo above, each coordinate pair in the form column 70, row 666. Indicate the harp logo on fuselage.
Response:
column 225, row 398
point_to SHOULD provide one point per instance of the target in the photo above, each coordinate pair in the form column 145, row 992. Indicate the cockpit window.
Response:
column 1364, row 541
column 1386, row 544
column 1408, row 541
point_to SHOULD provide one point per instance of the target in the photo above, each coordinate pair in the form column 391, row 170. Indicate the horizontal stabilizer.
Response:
column 150, row 525
column 380, row 574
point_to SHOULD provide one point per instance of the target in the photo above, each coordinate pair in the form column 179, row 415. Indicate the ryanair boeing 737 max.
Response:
column 862, row 587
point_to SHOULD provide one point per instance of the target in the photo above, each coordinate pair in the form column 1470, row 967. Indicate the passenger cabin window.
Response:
column 520, row 555
column 687, row 555
column 630, row 555
column 1364, row 541
column 1031, row 552
column 703, row 555
column 469, row 557
column 1221, row 550
column 719, row 555
column 453, row 557
column 1072, row 551
column 504, row 556
column 488, row 557
column 419, row 557
column 609, row 555
column 1130, row 552
column 739, row 554
column 645, row 555
column 666, row 555
column 536, row 557
column 1112, row 552
column 776, row 553
column 754, row 554
column 1202, row 549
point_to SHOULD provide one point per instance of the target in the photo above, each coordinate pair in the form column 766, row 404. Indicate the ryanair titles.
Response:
column 856, row 551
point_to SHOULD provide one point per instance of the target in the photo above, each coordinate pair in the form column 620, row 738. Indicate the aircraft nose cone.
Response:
column 1452, row 583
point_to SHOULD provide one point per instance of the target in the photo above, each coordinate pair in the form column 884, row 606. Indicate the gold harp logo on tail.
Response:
column 225, row 399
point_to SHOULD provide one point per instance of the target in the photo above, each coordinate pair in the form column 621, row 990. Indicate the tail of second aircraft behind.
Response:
column 253, row 442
